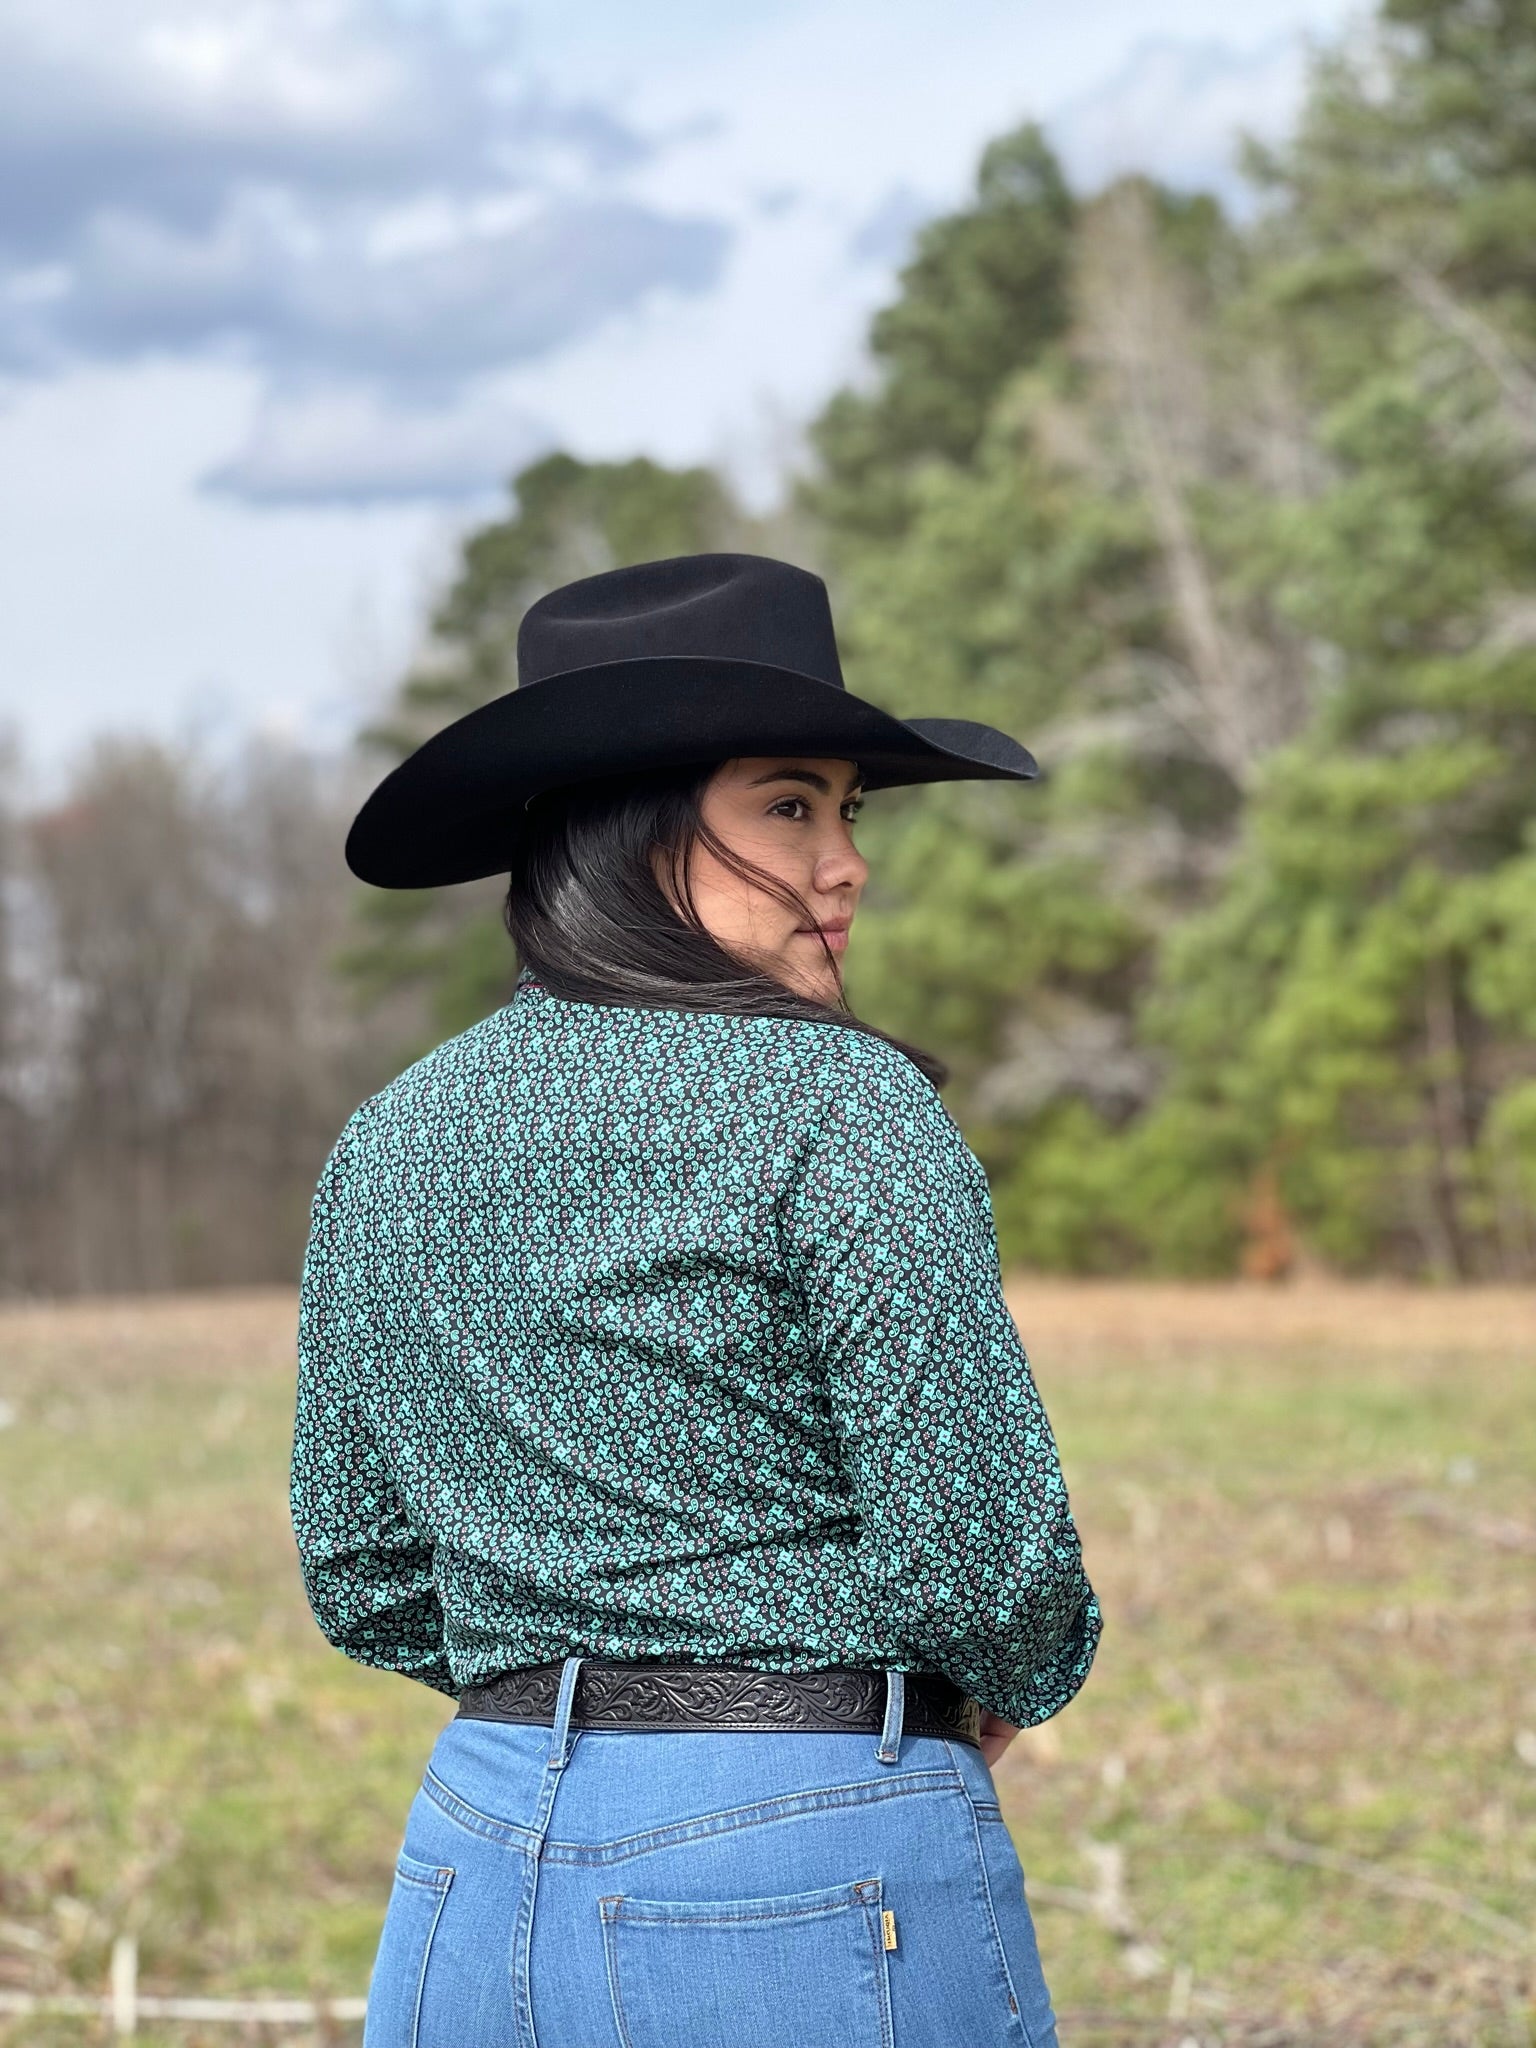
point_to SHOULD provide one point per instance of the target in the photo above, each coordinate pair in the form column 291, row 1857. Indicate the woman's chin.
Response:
column 800, row 968
column 815, row 978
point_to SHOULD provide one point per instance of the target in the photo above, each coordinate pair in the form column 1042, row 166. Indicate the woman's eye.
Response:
column 851, row 809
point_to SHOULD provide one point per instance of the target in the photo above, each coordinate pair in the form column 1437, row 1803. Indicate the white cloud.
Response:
column 295, row 293
column 327, row 447
column 164, row 108
column 1175, row 109
column 324, row 190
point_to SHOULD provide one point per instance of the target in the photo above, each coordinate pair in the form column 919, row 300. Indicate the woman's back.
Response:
column 667, row 1333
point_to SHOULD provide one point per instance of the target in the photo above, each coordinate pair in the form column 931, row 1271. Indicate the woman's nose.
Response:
column 841, row 867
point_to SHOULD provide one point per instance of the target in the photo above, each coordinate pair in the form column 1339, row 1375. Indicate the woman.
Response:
column 657, row 1396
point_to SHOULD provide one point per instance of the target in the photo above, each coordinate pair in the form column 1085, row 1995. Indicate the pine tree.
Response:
column 1356, row 1015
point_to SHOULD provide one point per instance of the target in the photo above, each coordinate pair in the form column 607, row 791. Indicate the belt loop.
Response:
column 888, row 1749
column 560, row 1739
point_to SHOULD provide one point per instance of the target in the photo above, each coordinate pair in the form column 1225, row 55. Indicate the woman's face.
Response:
column 791, row 815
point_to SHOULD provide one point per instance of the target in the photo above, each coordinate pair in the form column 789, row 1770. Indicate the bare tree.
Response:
column 202, row 1050
column 1232, row 694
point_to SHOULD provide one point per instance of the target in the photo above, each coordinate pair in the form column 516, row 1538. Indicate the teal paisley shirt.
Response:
column 662, row 1333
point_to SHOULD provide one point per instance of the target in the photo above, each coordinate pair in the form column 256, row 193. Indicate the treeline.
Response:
column 1234, row 523
column 179, row 1040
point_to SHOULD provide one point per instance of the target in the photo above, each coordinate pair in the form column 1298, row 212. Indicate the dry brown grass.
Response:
column 1295, row 1803
column 1064, row 1318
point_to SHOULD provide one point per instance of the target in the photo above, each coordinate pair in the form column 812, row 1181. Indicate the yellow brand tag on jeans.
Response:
column 888, row 1922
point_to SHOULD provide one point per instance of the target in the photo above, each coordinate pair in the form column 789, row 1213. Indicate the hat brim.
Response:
column 453, row 810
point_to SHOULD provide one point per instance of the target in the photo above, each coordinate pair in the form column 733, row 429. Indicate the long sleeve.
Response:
column 965, row 1530
column 367, row 1568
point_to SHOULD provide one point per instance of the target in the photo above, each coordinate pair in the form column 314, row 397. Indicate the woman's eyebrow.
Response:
column 802, row 775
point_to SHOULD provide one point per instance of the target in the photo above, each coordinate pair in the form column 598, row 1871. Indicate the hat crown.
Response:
column 686, row 607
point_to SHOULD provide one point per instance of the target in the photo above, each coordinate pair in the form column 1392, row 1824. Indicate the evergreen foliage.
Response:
column 1236, row 527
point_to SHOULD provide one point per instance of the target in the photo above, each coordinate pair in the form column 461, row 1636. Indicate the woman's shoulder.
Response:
column 858, row 1062
column 860, row 1084
column 450, row 1072
column 871, row 1132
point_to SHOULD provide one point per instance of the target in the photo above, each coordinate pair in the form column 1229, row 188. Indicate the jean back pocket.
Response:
column 804, row 1971
column 405, row 1946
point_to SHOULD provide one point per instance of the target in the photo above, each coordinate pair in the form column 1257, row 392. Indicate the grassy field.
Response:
column 1295, row 1803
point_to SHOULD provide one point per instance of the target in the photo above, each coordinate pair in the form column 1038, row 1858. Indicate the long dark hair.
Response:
column 590, row 919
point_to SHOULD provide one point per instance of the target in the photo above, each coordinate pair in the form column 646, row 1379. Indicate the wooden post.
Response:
column 125, row 1987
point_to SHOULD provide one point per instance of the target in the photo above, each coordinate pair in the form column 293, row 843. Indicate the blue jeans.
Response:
column 593, row 1888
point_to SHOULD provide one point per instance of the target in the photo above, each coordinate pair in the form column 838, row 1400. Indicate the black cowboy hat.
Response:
column 696, row 658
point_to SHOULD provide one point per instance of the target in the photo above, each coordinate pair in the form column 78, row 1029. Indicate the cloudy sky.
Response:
column 289, row 287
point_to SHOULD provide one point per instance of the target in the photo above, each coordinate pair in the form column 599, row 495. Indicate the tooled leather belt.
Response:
column 651, row 1693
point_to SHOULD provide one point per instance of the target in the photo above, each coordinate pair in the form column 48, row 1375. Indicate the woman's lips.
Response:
column 836, row 936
